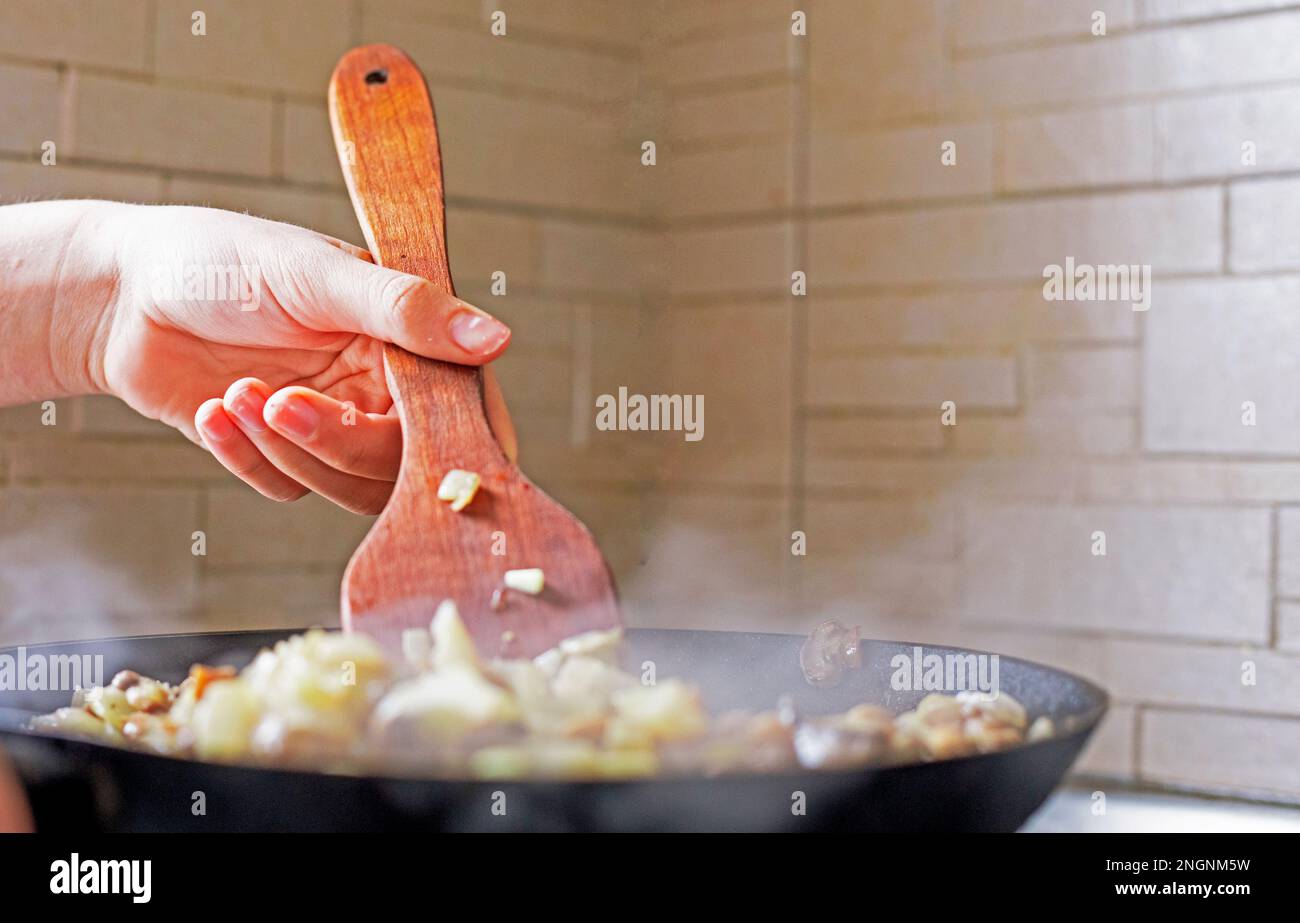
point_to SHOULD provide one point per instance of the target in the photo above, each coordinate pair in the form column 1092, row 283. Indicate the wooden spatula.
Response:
column 420, row 551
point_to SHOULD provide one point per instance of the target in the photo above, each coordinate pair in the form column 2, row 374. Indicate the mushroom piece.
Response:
column 830, row 650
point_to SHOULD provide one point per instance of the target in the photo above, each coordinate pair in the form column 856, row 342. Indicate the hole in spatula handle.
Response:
column 377, row 76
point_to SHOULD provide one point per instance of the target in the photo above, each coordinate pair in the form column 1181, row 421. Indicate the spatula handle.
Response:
column 387, row 140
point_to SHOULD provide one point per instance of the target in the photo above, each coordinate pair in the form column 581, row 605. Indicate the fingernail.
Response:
column 478, row 333
column 216, row 427
column 293, row 415
column 247, row 407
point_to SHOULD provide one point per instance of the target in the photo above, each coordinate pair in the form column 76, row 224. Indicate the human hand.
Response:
column 263, row 342
column 15, row 813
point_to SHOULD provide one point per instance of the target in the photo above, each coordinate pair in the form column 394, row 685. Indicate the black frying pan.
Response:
column 80, row 785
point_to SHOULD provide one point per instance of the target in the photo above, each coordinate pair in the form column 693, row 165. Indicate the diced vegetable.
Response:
column 452, row 644
column 334, row 700
column 224, row 720
column 459, row 487
column 528, row 580
column 448, row 703
column 417, row 645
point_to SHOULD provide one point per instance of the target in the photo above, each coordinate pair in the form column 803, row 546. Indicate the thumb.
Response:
column 345, row 292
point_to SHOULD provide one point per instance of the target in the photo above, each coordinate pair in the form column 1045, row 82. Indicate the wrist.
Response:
column 86, row 297
column 55, row 288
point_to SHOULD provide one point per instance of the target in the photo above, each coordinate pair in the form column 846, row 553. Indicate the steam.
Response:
column 55, row 581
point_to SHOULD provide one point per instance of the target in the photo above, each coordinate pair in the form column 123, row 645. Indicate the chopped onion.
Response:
column 528, row 580
column 459, row 487
column 416, row 647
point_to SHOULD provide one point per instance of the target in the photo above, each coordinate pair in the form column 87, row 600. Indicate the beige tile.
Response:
column 1152, row 481
column 913, row 382
column 589, row 20
column 746, row 393
column 1186, row 675
column 755, row 178
column 26, row 181
column 282, row 598
column 724, row 56
column 528, row 152
column 1112, row 750
column 746, row 542
column 1211, row 345
column 466, row 14
column 1174, row 571
column 1288, row 627
column 901, row 165
column 115, row 34
column 1069, row 380
column 1000, row 478
column 1046, row 433
column 540, row 325
column 456, row 54
column 327, row 212
column 481, row 243
column 602, row 349
column 101, row 415
column 1262, row 224
column 1094, row 147
column 54, row 458
column 1202, row 136
column 1288, row 551
column 559, row 463
column 536, row 382
column 247, row 530
column 890, row 596
column 1175, row 231
column 861, row 529
column 964, row 319
column 570, row 21
column 851, row 437
column 1264, row 481
column 1193, row 481
column 30, row 418
column 743, row 116
column 308, row 150
column 76, row 559
column 983, row 23
column 752, row 258
column 288, row 45
column 131, row 122
column 1109, row 68
column 579, row 256
column 1173, row 10
column 1238, row 753
column 1231, row 52
column 908, row 63
column 686, row 18
column 1076, row 653
column 29, row 108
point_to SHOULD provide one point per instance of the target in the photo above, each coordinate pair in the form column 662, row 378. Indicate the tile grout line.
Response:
column 201, row 560
column 1274, row 568
column 799, row 258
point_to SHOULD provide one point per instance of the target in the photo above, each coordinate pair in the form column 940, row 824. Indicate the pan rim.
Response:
column 1083, row 724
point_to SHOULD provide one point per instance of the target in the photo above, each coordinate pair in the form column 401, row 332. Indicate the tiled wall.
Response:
column 776, row 153
column 822, row 154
